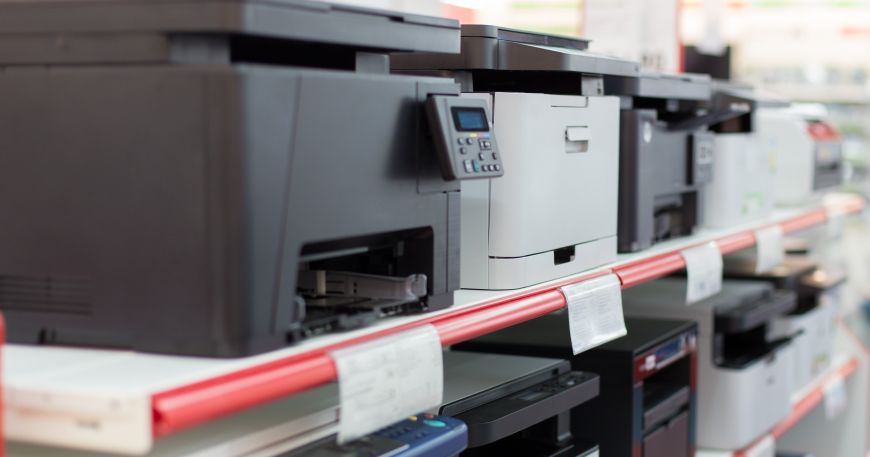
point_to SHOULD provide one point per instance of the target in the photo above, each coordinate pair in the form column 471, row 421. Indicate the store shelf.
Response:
column 802, row 404
column 184, row 391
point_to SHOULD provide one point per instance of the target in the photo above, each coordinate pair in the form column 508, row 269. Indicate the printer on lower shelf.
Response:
column 304, row 424
column 515, row 405
column 812, row 321
column 647, row 403
column 245, row 174
column 744, row 377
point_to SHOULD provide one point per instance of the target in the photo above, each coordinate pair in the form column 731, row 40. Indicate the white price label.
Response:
column 764, row 448
column 769, row 248
column 383, row 381
column 703, row 271
column 594, row 312
column 835, row 397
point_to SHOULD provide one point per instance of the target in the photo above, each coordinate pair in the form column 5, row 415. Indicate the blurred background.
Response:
column 810, row 51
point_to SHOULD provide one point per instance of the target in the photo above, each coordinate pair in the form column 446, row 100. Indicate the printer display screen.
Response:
column 470, row 119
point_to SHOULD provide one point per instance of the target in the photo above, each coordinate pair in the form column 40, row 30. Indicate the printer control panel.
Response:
column 701, row 159
column 463, row 139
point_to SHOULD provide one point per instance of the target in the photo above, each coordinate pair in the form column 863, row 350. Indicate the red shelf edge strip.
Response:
column 805, row 405
column 180, row 408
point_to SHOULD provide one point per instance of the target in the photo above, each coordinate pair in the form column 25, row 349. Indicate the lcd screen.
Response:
column 470, row 119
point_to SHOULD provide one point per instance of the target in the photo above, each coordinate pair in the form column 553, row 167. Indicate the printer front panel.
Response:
column 784, row 136
column 561, row 188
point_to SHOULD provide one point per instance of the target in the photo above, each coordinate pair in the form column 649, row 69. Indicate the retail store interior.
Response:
column 435, row 228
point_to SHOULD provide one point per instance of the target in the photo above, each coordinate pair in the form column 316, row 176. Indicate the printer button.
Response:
column 435, row 423
column 494, row 156
column 476, row 165
column 497, row 167
column 481, row 156
column 460, row 140
column 463, row 150
column 468, row 141
column 469, row 168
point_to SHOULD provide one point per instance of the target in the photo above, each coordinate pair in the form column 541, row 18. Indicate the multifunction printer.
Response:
column 304, row 424
column 665, row 154
column 813, row 321
column 807, row 151
column 220, row 178
column 554, row 211
column 742, row 188
column 647, row 405
column 516, row 405
column 744, row 375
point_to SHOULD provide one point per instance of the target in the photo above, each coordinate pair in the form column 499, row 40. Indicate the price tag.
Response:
column 764, row 448
column 594, row 312
column 769, row 249
column 704, row 271
column 836, row 398
column 385, row 380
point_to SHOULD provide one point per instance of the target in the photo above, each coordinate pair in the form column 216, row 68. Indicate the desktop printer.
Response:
column 304, row 424
column 220, row 178
column 744, row 377
column 812, row 321
column 516, row 405
column 665, row 154
column 646, row 407
column 554, row 212
column 742, row 187
column 807, row 151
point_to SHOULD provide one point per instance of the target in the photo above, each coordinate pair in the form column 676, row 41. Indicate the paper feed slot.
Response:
column 755, row 311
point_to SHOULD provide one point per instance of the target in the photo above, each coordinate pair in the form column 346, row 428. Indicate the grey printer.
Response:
column 553, row 214
column 217, row 178
column 665, row 155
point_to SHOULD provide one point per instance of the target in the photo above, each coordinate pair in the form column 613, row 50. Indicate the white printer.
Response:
column 807, row 152
column 554, row 212
column 744, row 378
column 742, row 186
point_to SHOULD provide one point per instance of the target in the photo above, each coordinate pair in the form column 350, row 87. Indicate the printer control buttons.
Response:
column 497, row 167
column 469, row 168
column 494, row 156
column 463, row 150
column 435, row 423
column 485, row 144
column 468, row 141
column 476, row 165
column 481, row 156
column 460, row 141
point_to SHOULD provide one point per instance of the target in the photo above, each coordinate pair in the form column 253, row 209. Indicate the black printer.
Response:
column 220, row 178
column 647, row 405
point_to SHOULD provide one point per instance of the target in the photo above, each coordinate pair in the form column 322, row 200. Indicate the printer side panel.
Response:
column 121, row 228
column 637, row 167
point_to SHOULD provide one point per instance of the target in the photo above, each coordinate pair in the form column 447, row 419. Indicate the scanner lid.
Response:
column 292, row 20
column 473, row 379
column 488, row 47
column 678, row 86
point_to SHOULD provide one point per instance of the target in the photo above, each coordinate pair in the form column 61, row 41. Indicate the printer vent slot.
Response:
column 46, row 294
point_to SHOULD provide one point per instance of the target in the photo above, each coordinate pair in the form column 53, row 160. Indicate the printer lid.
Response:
column 680, row 86
column 296, row 20
column 470, row 374
column 489, row 47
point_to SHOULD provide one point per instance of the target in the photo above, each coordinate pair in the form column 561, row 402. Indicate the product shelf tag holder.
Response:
column 703, row 271
column 385, row 380
column 769, row 248
column 594, row 312
column 836, row 398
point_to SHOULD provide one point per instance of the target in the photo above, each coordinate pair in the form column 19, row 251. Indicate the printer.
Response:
column 813, row 321
column 220, row 178
column 742, row 188
column 665, row 154
column 303, row 424
column 647, row 405
column 744, row 375
column 554, row 212
column 516, row 405
column 807, row 151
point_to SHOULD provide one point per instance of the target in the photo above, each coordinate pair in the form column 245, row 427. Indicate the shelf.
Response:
column 182, row 392
column 802, row 404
